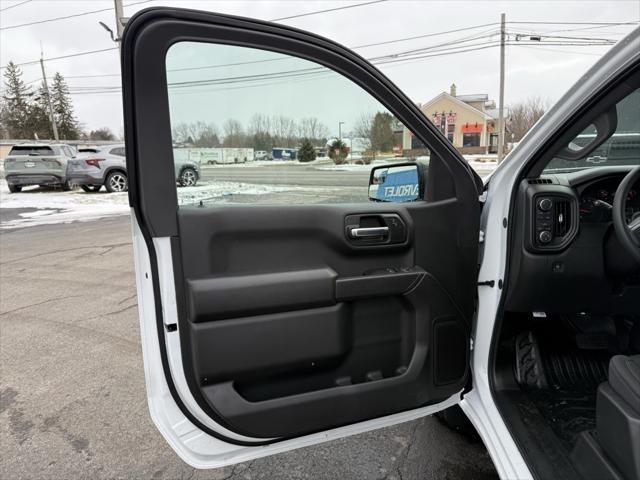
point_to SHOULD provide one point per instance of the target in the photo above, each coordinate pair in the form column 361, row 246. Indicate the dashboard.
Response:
column 596, row 199
column 562, row 243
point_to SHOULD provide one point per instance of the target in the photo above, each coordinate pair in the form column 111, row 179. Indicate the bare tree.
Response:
column 523, row 115
column 233, row 134
column 180, row 133
column 206, row 135
column 284, row 130
column 259, row 131
column 313, row 129
column 364, row 127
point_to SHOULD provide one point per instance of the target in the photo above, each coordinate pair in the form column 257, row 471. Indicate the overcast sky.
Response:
column 541, row 70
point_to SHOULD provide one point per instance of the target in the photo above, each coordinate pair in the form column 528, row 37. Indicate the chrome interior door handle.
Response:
column 369, row 232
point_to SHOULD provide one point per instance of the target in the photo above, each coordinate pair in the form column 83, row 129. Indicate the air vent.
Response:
column 561, row 217
column 540, row 181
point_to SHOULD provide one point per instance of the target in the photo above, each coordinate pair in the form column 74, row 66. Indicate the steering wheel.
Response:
column 628, row 233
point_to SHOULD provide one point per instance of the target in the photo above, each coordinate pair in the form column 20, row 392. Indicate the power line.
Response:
column 91, row 12
column 593, row 28
column 38, row 22
column 576, row 23
column 400, row 57
column 426, row 35
column 529, row 47
column 458, row 42
column 327, row 10
column 315, row 73
column 14, row 6
column 275, row 75
column 79, row 54
column 242, row 63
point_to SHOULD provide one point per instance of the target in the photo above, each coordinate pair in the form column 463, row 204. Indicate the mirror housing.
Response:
column 605, row 126
column 400, row 182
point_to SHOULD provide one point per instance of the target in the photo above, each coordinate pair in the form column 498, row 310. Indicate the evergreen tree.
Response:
column 41, row 115
column 15, row 112
column 381, row 132
column 307, row 152
column 68, row 128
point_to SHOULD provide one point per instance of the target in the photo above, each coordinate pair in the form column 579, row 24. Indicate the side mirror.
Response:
column 600, row 130
column 396, row 183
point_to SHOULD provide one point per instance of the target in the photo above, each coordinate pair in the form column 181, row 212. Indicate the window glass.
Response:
column 621, row 148
column 20, row 150
column 470, row 139
column 117, row 151
column 254, row 126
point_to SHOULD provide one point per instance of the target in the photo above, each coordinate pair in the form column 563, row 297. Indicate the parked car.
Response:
column 94, row 167
column 272, row 327
column 38, row 164
column 262, row 155
column 105, row 165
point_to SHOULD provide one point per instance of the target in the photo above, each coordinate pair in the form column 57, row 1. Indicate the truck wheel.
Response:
column 188, row 177
column 91, row 188
column 454, row 418
column 14, row 188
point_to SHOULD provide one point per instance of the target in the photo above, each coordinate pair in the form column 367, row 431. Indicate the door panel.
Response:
column 288, row 323
column 292, row 328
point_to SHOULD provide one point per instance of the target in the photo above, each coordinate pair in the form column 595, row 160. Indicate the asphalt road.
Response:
column 72, row 399
column 295, row 174
column 298, row 175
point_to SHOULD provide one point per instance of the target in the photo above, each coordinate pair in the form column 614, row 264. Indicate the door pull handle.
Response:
column 369, row 232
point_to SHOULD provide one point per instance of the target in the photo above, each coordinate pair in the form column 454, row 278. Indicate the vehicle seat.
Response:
column 624, row 378
column 612, row 451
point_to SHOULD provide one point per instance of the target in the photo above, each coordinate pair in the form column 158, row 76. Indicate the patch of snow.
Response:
column 55, row 206
column 354, row 167
column 221, row 189
column 256, row 163
column 481, row 158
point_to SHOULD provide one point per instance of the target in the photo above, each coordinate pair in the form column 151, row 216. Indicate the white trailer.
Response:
column 214, row 156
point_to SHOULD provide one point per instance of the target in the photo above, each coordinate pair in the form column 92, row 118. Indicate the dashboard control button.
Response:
column 545, row 204
column 544, row 236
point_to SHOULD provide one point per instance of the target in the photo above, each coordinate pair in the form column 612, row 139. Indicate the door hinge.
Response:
column 481, row 237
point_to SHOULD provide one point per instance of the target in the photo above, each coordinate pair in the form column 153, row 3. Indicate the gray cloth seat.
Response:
column 612, row 451
column 624, row 378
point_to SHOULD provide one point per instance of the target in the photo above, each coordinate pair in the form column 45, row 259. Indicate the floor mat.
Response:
column 567, row 413
column 561, row 384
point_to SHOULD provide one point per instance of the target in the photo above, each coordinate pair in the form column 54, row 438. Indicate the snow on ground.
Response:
column 222, row 189
column 255, row 163
column 54, row 206
column 49, row 206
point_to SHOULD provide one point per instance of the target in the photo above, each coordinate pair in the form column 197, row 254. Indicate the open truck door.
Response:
column 270, row 326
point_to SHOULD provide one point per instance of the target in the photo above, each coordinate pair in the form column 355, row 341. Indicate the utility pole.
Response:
column 46, row 91
column 503, row 35
column 340, row 130
column 119, row 21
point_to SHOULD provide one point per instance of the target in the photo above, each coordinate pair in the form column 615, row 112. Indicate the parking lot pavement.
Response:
column 72, row 400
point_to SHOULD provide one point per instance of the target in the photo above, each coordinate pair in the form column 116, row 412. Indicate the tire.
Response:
column 91, row 188
column 455, row 419
column 14, row 188
column 188, row 177
column 116, row 182
column 67, row 186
